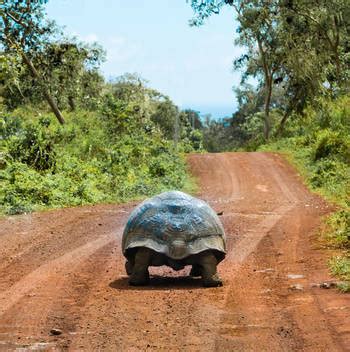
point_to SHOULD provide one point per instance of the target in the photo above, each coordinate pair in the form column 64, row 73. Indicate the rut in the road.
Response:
column 64, row 269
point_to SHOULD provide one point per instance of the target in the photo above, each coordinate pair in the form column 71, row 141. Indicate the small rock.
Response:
column 220, row 213
column 55, row 331
column 296, row 287
column 328, row 285
column 267, row 270
column 295, row 276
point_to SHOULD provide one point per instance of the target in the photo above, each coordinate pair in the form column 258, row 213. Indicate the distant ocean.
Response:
column 216, row 112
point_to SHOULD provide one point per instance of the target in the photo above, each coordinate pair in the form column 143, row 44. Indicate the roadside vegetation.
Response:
column 319, row 146
column 297, row 53
column 67, row 136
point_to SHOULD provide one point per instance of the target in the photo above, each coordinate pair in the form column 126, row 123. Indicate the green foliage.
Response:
column 298, row 47
column 331, row 144
column 196, row 139
column 34, row 146
column 322, row 152
column 165, row 115
column 216, row 136
column 67, row 67
column 130, row 105
column 48, row 165
column 339, row 229
column 9, row 125
column 24, row 22
column 340, row 266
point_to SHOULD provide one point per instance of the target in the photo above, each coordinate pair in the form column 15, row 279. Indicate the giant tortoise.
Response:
column 174, row 229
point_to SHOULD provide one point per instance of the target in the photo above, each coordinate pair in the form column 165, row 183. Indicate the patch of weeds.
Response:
column 344, row 287
column 339, row 229
column 340, row 267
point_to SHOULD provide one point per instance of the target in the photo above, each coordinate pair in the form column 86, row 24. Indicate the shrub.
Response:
column 339, row 233
column 47, row 165
column 340, row 266
column 329, row 144
column 34, row 145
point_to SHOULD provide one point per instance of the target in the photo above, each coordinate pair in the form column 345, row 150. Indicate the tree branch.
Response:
column 14, row 19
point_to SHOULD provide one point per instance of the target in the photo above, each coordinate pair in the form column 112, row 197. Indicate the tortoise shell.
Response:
column 176, row 225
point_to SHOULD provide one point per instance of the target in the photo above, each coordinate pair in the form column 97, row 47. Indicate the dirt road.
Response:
column 64, row 269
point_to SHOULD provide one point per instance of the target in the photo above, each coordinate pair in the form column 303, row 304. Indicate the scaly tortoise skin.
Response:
column 174, row 229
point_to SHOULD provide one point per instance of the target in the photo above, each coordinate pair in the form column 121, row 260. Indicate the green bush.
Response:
column 34, row 145
column 47, row 165
column 339, row 229
column 331, row 144
column 9, row 125
column 340, row 266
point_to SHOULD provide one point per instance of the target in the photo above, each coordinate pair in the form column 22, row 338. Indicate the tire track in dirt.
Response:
column 57, row 267
column 27, row 305
column 248, row 241
column 79, row 284
column 286, row 328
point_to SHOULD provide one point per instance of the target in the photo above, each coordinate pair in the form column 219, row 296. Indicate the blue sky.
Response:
column 152, row 37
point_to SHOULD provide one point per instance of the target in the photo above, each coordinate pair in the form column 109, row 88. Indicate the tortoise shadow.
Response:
column 159, row 283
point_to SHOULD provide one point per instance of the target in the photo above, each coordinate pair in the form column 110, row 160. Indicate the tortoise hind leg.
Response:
column 140, row 275
column 196, row 270
column 210, row 277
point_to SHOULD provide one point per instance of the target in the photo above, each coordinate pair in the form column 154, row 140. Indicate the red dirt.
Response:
column 64, row 269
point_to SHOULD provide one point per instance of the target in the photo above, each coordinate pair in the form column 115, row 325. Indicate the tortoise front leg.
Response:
column 129, row 266
column 140, row 275
column 210, row 277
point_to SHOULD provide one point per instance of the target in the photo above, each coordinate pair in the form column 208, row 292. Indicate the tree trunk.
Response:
column 47, row 95
column 267, row 124
column 289, row 110
column 26, row 59
column 268, row 86
column 282, row 123
column 71, row 103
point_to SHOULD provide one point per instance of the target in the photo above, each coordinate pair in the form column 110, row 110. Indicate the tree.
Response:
column 259, row 33
column 328, row 25
column 165, row 115
column 9, row 74
column 24, row 32
column 205, row 8
column 69, row 70
column 192, row 118
column 314, row 35
column 216, row 135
